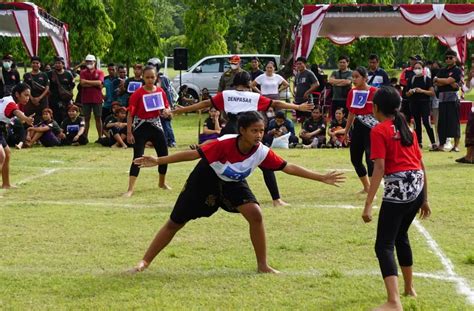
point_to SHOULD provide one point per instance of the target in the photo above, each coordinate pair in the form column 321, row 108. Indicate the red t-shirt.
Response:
column 386, row 144
column 147, row 105
column 233, row 101
column 359, row 102
column 225, row 158
column 92, row 95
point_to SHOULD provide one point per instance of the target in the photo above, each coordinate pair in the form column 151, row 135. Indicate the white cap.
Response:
column 90, row 57
column 154, row 61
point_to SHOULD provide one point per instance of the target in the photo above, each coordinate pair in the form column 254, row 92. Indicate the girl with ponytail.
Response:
column 397, row 159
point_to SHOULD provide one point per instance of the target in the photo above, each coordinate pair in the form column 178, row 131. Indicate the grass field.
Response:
column 67, row 236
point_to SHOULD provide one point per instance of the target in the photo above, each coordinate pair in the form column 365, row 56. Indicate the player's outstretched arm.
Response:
column 198, row 106
column 332, row 178
column 278, row 104
column 149, row 161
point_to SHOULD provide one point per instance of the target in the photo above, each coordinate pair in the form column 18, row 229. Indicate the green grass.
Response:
column 67, row 237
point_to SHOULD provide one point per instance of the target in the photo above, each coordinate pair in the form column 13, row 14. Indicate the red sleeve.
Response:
column 403, row 81
column 349, row 100
column 264, row 103
column 101, row 75
column 133, row 102
column 273, row 162
column 9, row 109
column 378, row 148
column 212, row 151
column 218, row 101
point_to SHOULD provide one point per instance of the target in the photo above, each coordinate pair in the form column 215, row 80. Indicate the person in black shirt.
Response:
column 116, row 127
column 73, row 128
column 313, row 133
column 60, row 88
column 419, row 92
column 337, row 129
column 447, row 81
column 9, row 76
column 255, row 70
column 39, row 84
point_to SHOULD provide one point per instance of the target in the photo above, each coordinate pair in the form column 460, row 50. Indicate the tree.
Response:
column 136, row 36
column 206, row 25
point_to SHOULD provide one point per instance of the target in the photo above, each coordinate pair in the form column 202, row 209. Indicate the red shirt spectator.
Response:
column 144, row 106
column 92, row 95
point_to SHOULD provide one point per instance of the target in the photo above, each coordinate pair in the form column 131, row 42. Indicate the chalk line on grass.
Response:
column 46, row 172
column 462, row 285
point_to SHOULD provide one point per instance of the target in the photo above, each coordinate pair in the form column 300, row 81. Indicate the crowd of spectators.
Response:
column 429, row 91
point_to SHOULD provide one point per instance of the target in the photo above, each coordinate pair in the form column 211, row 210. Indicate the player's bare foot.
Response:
column 280, row 202
column 164, row 187
column 267, row 269
column 9, row 187
column 140, row 267
column 19, row 145
column 128, row 194
column 410, row 292
column 390, row 306
column 363, row 192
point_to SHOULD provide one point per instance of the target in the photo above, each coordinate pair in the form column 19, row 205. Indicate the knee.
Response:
column 383, row 249
column 173, row 226
column 253, row 214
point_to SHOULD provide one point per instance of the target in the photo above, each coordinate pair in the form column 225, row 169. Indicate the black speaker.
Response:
column 180, row 56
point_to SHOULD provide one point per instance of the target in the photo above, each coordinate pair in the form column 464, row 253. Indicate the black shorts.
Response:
column 3, row 141
column 204, row 193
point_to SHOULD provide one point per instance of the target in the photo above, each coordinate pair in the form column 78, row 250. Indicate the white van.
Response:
column 206, row 72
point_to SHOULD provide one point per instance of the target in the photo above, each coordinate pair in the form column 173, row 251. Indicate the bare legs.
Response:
column 251, row 213
column 133, row 179
column 5, row 166
column 393, row 296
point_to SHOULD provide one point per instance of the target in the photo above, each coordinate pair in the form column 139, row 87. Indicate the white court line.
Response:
column 75, row 203
column 46, row 172
column 339, row 169
column 462, row 285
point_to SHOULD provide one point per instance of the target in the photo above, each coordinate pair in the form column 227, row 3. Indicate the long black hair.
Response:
column 387, row 99
column 241, row 78
column 246, row 119
column 19, row 88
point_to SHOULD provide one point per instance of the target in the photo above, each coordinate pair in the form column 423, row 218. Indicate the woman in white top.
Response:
column 271, row 84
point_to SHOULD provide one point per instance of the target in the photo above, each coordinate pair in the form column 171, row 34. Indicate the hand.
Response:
column 418, row 90
column 178, row 109
column 425, row 210
column 75, row 138
column 166, row 113
column 334, row 178
column 130, row 138
column 30, row 120
column 146, row 161
column 61, row 135
column 367, row 212
column 346, row 137
column 305, row 95
column 306, row 107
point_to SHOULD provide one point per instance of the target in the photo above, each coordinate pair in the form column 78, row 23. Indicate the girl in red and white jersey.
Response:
column 233, row 102
column 143, row 124
column 219, row 180
column 9, row 108
column 397, row 159
column 361, row 119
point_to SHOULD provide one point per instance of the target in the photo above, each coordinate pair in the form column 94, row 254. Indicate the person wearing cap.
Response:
column 39, row 84
column 91, row 82
column 9, row 76
column 448, row 80
column 255, row 70
column 73, row 128
column 61, row 85
column 227, row 78
column 164, row 82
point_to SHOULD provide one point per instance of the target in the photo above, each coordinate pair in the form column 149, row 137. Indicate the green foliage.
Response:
column 169, row 44
column 206, row 28
column 136, row 35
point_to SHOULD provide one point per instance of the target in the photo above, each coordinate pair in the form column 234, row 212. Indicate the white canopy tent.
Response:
column 452, row 24
column 28, row 21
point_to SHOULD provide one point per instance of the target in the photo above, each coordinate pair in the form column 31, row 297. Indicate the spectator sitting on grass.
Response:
column 117, row 128
column 73, row 128
column 336, row 130
column 279, row 127
column 313, row 133
column 47, row 132
column 212, row 126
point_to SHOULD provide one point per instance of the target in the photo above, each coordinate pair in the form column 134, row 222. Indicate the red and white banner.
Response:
column 23, row 19
column 419, row 14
